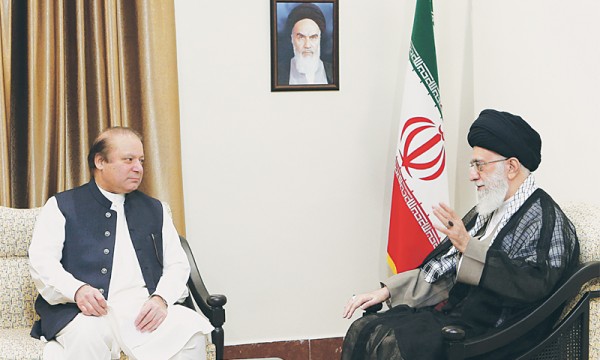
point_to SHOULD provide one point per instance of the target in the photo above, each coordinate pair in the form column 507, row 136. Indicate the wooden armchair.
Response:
column 577, row 333
column 18, row 294
column 210, row 305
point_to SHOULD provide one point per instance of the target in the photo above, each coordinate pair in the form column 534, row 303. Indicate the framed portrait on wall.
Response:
column 304, row 45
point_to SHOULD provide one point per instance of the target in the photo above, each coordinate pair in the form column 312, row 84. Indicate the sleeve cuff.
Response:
column 71, row 289
column 472, row 262
column 161, row 298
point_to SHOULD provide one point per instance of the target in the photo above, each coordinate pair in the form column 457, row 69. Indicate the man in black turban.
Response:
column 502, row 259
column 305, row 24
column 508, row 135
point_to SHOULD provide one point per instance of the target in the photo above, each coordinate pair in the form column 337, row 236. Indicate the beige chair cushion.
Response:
column 16, row 344
column 17, row 295
column 16, row 230
column 18, row 292
column 586, row 218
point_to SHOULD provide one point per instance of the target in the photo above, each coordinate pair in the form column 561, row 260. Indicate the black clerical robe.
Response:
column 526, row 262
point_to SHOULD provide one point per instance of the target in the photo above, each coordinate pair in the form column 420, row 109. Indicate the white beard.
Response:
column 308, row 64
column 492, row 196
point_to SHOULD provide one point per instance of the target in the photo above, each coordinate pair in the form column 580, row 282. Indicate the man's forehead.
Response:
column 306, row 26
column 125, row 143
column 480, row 153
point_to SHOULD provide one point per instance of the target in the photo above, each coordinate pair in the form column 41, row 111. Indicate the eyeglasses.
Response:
column 478, row 165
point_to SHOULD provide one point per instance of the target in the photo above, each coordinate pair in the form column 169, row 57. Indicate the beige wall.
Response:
column 287, row 194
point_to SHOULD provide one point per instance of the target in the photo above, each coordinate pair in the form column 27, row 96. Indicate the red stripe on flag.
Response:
column 411, row 235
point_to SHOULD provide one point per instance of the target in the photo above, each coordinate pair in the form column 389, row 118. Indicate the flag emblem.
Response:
column 416, row 151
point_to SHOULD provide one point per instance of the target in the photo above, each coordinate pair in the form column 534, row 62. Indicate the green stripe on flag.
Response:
column 422, row 50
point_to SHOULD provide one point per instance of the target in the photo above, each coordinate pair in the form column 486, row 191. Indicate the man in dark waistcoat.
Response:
column 505, row 257
column 109, row 267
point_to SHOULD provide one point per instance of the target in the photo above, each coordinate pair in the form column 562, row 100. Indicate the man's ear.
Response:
column 514, row 168
column 99, row 161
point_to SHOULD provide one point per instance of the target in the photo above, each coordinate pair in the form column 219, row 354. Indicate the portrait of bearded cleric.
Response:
column 304, row 52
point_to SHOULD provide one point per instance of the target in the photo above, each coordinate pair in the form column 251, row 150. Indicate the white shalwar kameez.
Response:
column 127, row 287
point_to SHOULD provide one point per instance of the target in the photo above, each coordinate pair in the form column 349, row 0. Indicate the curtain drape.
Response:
column 69, row 69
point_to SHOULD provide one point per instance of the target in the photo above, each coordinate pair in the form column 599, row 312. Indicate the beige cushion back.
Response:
column 586, row 218
column 18, row 292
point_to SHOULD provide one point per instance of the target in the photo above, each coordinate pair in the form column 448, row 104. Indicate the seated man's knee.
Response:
column 195, row 348
column 86, row 332
column 53, row 351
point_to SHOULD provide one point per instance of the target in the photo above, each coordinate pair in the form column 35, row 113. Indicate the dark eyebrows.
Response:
column 307, row 35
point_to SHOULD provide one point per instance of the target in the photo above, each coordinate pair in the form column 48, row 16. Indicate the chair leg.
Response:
column 218, row 336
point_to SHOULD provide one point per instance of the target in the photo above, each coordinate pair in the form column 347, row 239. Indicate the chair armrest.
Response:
column 454, row 335
column 216, row 300
column 373, row 309
column 211, row 305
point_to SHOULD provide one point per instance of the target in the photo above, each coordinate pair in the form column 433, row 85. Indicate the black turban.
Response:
column 508, row 135
column 306, row 11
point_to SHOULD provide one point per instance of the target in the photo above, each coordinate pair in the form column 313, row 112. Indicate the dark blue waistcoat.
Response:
column 90, row 230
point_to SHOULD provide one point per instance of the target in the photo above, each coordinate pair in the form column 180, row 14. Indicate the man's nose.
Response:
column 137, row 166
column 473, row 173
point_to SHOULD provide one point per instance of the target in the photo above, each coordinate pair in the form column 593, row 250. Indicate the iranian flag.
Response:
column 420, row 177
